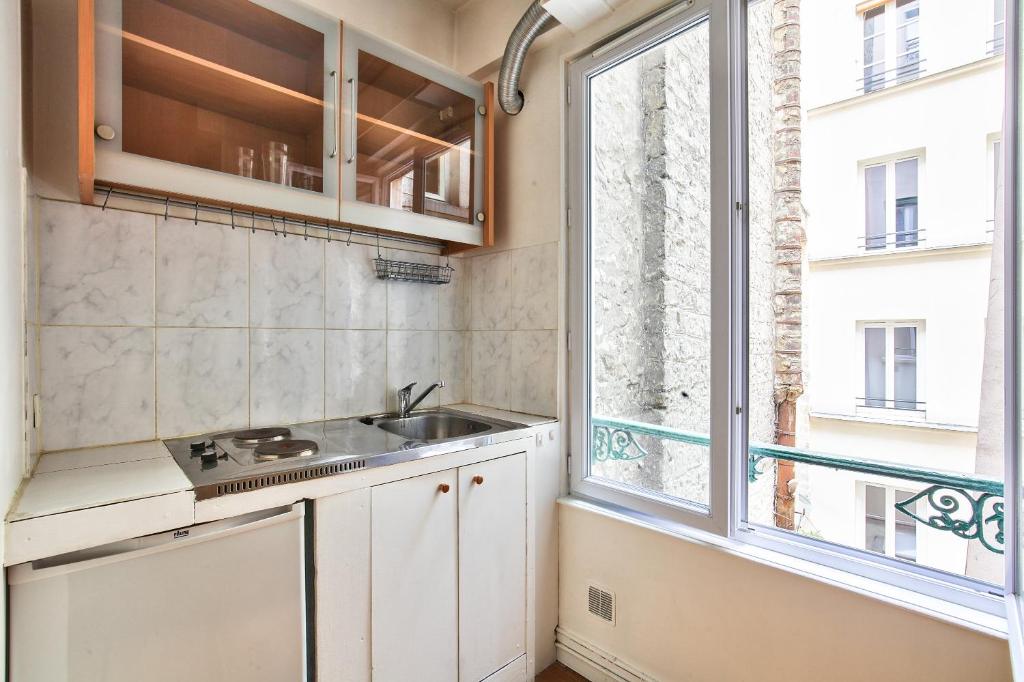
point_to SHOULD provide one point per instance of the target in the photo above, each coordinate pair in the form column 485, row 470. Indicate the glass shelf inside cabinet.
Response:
column 414, row 142
column 227, row 86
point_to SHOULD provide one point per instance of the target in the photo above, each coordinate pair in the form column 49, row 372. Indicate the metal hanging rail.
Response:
column 249, row 220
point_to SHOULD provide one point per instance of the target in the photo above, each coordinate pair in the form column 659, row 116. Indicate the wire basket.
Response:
column 412, row 272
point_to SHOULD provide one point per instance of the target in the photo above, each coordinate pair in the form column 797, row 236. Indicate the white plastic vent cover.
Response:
column 601, row 603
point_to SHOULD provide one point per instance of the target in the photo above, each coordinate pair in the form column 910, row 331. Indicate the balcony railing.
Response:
column 897, row 75
column 968, row 506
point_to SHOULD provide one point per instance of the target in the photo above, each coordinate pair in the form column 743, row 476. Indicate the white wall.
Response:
column 687, row 611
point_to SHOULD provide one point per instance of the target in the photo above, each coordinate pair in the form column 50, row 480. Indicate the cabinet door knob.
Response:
column 479, row 480
column 444, row 487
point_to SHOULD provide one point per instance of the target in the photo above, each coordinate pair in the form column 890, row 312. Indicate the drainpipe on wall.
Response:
column 789, row 247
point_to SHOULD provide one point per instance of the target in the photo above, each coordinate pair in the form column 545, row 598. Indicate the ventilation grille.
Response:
column 256, row 482
column 601, row 603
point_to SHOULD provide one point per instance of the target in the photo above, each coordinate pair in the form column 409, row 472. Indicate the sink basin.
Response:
column 434, row 426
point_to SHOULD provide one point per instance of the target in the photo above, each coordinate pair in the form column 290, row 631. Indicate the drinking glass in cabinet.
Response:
column 414, row 142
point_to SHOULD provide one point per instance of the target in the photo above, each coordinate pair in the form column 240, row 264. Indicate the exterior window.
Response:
column 874, row 207
column 874, row 49
column 887, row 529
column 908, row 55
column 900, row 228
column 997, row 44
column 890, row 367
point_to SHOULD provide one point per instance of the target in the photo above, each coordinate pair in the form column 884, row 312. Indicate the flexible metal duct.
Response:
column 535, row 21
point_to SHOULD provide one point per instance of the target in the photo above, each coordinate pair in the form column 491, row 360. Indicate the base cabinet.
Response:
column 444, row 559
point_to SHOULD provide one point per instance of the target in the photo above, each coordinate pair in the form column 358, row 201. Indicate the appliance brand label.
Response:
column 181, row 534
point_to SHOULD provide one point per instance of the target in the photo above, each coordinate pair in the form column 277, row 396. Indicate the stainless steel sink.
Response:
column 434, row 426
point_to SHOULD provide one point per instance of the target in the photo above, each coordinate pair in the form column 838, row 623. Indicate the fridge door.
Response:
column 215, row 602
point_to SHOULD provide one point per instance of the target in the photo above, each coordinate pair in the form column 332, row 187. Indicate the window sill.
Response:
column 932, row 607
column 892, row 421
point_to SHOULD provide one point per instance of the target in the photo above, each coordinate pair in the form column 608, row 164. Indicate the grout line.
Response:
column 156, row 357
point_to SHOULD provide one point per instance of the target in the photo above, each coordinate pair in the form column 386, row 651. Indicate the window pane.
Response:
column 906, row 203
column 874, row 518
column 907, row 40
column 905, row 370
column 650, row 269
column 862, row 347
column 874, row 207
column 874, row 49
column 874, row 367
column 906, row 529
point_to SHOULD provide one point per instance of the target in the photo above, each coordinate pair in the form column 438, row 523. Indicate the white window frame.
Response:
column 715, row 516
column 727, row 515
column 890, row 411
column 890, row 162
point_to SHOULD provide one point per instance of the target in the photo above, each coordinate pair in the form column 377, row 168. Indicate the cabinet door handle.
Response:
column 334, row 151
column 443, row 488
column 479, row 480
column 351, row 121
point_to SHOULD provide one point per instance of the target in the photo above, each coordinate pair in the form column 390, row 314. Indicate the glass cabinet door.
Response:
column 412, row 134
column 230, row 86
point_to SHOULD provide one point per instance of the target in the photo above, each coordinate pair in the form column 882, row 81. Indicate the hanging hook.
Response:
column 195, row 219
column 349, row 241
column 378, row 245
column 273, row 224
column 305, row 230
column 327, row 226
column 232, row 209
column 284, row 227
column 107, row 198
column 253, row 224
column 167, row 206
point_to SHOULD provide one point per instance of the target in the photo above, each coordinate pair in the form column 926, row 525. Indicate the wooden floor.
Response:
column 559, row 673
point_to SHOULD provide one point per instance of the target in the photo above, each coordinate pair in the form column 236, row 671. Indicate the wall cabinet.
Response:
column 444, row 559
column 231, row 101
column 271, row 105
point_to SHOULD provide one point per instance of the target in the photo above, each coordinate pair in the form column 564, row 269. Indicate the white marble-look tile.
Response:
column 454, row 349
column 412, row 305
column 31, row 390
column 32, row 260
column 356, row 299
column 97, row 386
column 533, row 372
column 287, row 281
column 535, row 287
column 96, row 267
column 202, row 380
column 489, row 385
column 202, row 275
column 491, row 292
column 356, row 373
column 412, row 356
column 287, row 376
column 454, row 302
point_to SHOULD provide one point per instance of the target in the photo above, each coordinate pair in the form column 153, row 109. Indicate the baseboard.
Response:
column 594, row 663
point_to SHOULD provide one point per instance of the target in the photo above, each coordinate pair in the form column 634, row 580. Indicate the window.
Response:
column 728, row 373
column 891, row 377
column 900, row 229
column 904, row 44
column 887, row 528
column 998, row 27
column 874, row 49
column 908, row 55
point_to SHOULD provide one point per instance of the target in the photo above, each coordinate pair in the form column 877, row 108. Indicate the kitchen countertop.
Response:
column 81, row 498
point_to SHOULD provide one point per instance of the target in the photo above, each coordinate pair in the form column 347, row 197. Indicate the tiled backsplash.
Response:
column 158, row 328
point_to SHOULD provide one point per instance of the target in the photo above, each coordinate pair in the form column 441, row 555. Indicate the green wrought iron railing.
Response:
column 969, row 507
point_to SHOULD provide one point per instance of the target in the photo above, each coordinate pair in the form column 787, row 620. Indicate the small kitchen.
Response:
column 290, row 392
column 314, row 367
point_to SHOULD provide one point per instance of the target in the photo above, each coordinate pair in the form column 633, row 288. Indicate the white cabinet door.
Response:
column 492, row 565
column 415, row 585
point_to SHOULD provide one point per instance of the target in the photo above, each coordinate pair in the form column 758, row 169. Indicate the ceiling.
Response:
column 452, row 4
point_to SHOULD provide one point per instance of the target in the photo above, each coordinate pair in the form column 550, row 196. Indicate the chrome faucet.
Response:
column 405, row 402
